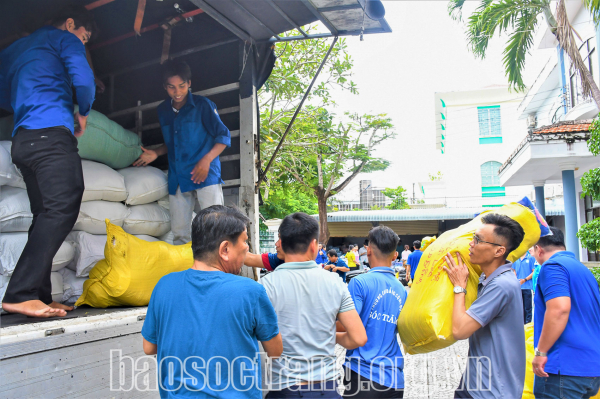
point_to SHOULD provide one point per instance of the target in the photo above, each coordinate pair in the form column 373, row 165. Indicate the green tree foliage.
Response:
column 323, row 151
column 590, row 184
column 519, row 20
column 589, row 235
column 398, row 197
column 283, row 201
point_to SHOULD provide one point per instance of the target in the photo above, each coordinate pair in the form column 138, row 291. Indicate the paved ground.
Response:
column 433, row 375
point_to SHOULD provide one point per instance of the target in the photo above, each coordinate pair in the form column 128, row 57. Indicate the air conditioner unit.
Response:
column 531, row 121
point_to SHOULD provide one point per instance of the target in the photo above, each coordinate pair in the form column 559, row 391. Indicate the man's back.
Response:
column 208, row 315
column 38, row 71
column 577, row 350
column 378, row 297
column 413, row 260
column 307, row 300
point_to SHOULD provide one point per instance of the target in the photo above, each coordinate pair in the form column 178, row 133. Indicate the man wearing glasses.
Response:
column 494, row 322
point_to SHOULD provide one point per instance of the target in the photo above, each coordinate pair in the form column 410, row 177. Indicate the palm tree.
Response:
column 520, row 18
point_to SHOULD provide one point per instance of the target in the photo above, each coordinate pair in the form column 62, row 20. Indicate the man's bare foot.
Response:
column 33, row 308
column 57, row 305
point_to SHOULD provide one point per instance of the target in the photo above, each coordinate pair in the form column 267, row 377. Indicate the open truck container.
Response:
column 228, row 45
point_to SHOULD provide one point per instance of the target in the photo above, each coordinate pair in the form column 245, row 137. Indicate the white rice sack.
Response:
column 3, row 285
column 168, row 238
column 15, row 214
column 57, row 286
column 9, row 174
column 93, row 213
column 164, row 202
column 102, row 183
column 144, row 184
column 72, row 286
column 12, row 245
column 146, row 237
column 150, row 219
column 89, row 249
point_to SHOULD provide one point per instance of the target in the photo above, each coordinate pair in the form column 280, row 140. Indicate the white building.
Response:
column 554, row 149
column 476, row 131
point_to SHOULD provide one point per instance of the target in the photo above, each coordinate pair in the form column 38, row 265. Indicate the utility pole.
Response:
column 413, row 198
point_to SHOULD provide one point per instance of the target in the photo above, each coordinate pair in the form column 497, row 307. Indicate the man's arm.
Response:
column 355, row 334
column 149, row 347
column 341, row 269
column 149, row 156
column 274, row 346
column 463, row 325
column 74, row 59
column 555, row 322
column 253, row 260
column 201, row 169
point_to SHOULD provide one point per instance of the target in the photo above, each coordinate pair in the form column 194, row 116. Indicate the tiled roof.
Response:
column 565, row 127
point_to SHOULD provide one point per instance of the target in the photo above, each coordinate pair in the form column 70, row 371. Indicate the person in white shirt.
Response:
column 405, row 254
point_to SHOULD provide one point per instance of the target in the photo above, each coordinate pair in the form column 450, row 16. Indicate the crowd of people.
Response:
column 303, row 309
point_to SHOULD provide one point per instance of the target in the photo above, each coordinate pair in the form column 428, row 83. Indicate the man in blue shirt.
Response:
column 204, row 323
column 336, row 264
column 494, row 322
column 36, row 76
column 321, row 255
column 194, row 138
column 413, row 259
column 566, row 324
column 524, row 268
column 375, row 370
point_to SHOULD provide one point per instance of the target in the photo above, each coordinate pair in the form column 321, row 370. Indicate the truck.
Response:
column 229, row 45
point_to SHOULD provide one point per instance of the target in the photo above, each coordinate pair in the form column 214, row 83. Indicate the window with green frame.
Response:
column 490, row 180
column 490, row 125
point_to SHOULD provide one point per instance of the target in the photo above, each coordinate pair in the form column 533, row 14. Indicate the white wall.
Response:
column 464, row 155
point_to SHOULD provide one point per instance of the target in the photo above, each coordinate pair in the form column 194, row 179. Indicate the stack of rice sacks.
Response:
column 128, row 196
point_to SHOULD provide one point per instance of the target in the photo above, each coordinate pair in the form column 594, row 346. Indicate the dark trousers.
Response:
column 557, row 386
column 527, row 305
column 327, row 390
column 461, row 392
column 51, row 167
column 359, row 387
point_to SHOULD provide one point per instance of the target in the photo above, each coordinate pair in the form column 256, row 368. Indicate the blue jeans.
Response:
column 557, row 386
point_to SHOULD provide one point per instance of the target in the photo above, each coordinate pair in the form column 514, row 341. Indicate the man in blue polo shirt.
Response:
column 524, row 268
column 37, row 74
column 566, row 324
column 376, row 370
column 336, row 264
column 194, row 137
column 413, row 259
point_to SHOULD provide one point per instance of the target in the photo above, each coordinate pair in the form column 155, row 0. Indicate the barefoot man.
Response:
column 36, row 75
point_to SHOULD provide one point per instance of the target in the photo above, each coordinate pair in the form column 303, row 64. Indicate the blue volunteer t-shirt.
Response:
column 271, row 261
column 339, row 263
column 321, row 257
column 413, row 261
column 577, row 351
column 524, row 267
column 203, row 322
column 378, row 297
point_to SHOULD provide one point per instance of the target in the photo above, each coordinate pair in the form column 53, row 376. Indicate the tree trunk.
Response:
column 323, row 229
column 593, row 86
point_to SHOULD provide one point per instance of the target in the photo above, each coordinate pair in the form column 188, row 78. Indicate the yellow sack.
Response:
column 425, row 323
column 426, row 241
column 131, row 269
column 528, row 387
